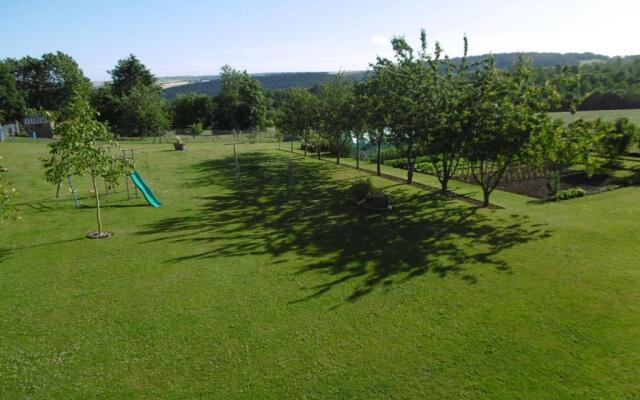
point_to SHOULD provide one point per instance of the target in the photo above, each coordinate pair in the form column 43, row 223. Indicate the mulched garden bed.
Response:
column 537, row 188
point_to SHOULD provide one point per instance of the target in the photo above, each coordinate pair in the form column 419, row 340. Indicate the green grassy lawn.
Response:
column 242, row 290
column 609, row 115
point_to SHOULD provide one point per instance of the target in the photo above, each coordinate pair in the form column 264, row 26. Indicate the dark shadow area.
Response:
column 313, row 222
column 4, row 254
column 139, row 205
column 53, row 243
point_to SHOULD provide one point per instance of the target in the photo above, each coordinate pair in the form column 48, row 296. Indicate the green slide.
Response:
column 148, row 194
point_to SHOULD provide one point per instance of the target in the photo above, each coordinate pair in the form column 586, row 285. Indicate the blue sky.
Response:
column 197, row 37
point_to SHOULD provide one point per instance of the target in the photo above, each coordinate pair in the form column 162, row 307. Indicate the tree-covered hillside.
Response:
column 269, row 82
column 211, row 86
column 542, row 60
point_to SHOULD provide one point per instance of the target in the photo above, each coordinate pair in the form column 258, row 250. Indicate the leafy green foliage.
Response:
column 46, row 84
column 12, row 102
column 505, row 108
column 615, row 138
column 130, row 73
column 242, row 103
column 556, row 146
column 359, row 190
column 191, row 108
column 299, row 114
column 571, row 194
column 142, row 112
column 82, row 149
column 132, row 103
column 195, row 129
column 336, row 121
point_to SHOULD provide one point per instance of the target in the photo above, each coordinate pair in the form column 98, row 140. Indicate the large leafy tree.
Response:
column 242, row 103
column 446, row 139
column 375, row 108
column 337, row 97
column 132, row 103
column 82, row 150
column 191, row 108
column 298, row 114
column 142, row 112
column 130, row 73
column 506, row 107
column 410, row 93
column 48, row 83
column 12, row 102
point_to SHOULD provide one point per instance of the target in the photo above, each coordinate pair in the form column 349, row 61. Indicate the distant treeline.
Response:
column 540, row 60
column 269, row 82
column 612, row 85
column 606, row 83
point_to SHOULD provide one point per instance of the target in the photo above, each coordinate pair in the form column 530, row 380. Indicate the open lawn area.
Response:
column 257, row 290
column 607, row 115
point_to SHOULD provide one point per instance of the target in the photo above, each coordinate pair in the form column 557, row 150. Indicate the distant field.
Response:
column 633, row 115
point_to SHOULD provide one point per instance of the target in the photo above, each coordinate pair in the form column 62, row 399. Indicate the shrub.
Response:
column 360, row 189
column 423, row 165
column 425, row 168
column 571, row 194
column 390, row 153
column 396, row 163
column 376, row 201
column 364, row 194
column 616, row 139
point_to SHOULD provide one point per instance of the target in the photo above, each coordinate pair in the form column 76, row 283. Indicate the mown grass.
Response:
column 608, row 115
column 245, row 290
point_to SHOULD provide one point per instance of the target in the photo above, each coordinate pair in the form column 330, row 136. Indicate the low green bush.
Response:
column 390, row 153
column 425, row 168
column 364, row 194
column 423, row 165
column 571, row 194
column 396, row 163
column 359, row 190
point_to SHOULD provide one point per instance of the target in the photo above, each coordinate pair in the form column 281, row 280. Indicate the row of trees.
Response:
column 131, row 103
column 452, row 113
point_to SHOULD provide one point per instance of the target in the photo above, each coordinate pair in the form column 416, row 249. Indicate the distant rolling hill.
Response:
column 271, row 81
column 173, row 86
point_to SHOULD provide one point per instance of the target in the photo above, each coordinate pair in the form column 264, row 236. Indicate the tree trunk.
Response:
column 379, row 158
column 485, row 195
column 445, row 185
column 305, row 146
column 409, row 167
column 357, row 152
column 95, row 192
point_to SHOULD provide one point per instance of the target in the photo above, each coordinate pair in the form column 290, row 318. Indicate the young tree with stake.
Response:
column 81, row 150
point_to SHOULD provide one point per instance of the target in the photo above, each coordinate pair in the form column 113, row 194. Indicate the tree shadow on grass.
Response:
column 5, row 253
column 314, row 224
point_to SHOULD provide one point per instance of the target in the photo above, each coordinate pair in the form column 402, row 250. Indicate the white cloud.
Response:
column 379, row 40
